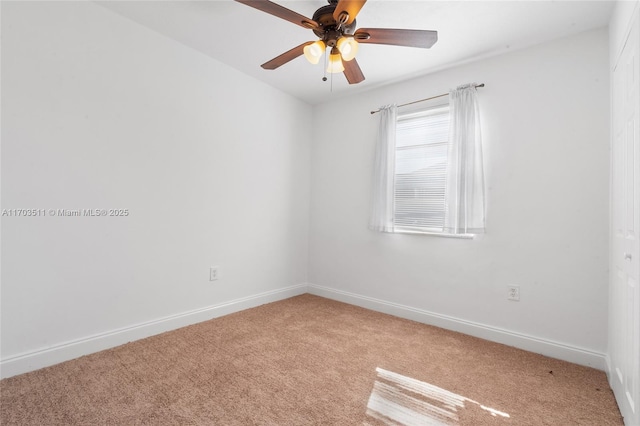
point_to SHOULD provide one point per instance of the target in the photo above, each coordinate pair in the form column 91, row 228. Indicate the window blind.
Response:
column 420, row 172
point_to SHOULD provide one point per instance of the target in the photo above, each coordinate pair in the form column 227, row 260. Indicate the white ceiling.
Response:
column 244, row 37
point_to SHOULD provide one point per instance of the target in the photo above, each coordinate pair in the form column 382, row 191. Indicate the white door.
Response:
column 624, row 326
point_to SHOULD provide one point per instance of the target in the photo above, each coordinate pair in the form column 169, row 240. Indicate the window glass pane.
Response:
column 421, row 164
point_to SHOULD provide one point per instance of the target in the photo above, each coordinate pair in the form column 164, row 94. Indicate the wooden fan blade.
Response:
column 285, row 57
column 351, row 7
column 411, row 38
column 281, row 12
column 352, row 71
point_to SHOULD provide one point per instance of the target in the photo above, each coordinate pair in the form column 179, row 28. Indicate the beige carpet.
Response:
column 310, row 361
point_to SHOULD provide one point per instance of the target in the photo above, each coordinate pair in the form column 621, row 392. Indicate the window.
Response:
column 420, row 170
column 428, row 173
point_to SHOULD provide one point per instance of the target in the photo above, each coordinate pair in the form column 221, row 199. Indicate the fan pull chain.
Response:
column 324, row 77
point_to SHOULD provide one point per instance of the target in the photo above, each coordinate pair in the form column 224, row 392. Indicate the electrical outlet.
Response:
column 513, row 293
column 214, row 273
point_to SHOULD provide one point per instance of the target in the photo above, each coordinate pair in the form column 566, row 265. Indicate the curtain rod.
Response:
column 427, row 99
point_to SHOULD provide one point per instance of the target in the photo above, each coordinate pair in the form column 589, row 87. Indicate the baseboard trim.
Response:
column 30, row 361
column 549, row 348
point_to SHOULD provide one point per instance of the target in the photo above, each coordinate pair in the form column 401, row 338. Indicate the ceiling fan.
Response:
column 335, row 24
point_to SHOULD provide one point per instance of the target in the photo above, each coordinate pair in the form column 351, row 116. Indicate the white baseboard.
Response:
column 522, row 341
column 45, row 357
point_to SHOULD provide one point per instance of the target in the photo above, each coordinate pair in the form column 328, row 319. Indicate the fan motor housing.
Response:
column 329, row 30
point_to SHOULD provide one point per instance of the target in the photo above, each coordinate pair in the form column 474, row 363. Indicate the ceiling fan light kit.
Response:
column 335, row 63
column 348, row 48
column 314, row 51
column 335, row 24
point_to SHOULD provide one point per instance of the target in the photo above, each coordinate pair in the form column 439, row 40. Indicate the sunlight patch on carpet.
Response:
column 401, row 400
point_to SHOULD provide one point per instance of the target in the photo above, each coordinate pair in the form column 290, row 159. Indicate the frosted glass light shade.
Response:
column 348, row 48
column 335, row 62
column 313, row 52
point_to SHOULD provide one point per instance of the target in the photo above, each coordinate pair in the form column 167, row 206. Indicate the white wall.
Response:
column 213, row 166
column 545, row 119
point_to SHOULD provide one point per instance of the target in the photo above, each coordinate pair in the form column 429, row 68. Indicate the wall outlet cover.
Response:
column 513, row 293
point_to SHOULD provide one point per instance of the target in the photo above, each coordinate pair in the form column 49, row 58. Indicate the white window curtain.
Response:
column 464, row 210
column 384, row 170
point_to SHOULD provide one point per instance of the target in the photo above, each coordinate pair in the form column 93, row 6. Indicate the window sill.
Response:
column 436, row 234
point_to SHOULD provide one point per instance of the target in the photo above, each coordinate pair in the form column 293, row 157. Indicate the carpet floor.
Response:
column 310, row 361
